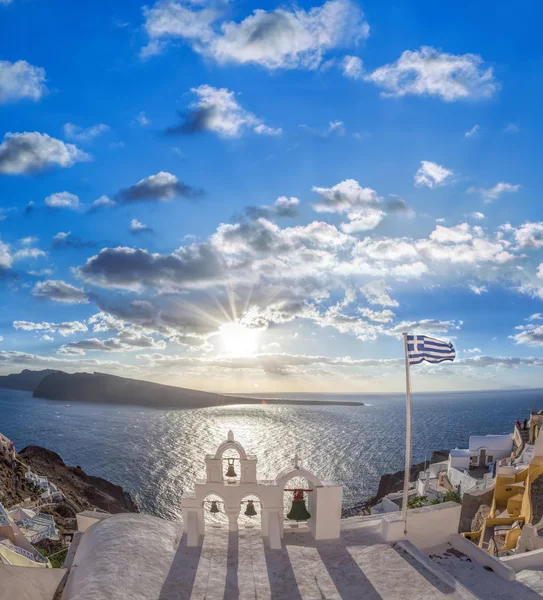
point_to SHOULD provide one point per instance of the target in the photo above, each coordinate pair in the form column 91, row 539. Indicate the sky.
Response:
column 261, row 197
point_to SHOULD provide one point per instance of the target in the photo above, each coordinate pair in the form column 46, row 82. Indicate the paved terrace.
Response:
column 133, row 557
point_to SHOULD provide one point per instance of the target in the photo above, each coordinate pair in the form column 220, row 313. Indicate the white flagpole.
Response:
column 407, row 470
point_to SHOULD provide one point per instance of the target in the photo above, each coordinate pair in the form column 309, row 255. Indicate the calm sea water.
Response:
column 157, row 454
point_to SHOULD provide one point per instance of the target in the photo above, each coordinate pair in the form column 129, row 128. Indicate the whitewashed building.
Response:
column 15, row 547
column 50, row 492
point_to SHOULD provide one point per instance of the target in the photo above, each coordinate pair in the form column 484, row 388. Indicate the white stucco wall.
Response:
column 458, row 478
column 492, row 443
column 20, row 583
column 459, row 461
column 426, row 527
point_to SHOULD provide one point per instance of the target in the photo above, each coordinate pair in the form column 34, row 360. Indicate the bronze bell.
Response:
column 214, row 508
column 298, row 511
column 250, row 511
column 230, row 472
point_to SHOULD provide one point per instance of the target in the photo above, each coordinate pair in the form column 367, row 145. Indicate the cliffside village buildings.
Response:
column 235, row 539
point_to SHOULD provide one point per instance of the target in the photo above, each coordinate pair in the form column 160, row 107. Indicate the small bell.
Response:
column 230, row 472
column 214, row 508
column 250, row 510
column 298, row 511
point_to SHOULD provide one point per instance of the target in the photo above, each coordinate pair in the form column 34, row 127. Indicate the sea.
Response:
column 156, row 454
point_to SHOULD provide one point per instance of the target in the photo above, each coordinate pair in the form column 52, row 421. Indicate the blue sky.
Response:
column 262, row 197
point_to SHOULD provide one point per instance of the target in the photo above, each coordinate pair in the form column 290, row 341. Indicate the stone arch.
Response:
column 214, row 492
column 256, row 495
column 289, row 473
column 231, row 445
column 259, row 520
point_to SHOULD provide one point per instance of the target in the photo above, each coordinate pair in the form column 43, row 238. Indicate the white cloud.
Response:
column 428, row 72
column 379, row 316
column 432, row 175
column 376, row 292
column 218, row 110
column 276, row 39
column 265, row 130
column 66, row 328
column 361, row 135
column 479, row 216
column 74, row 132
column 535, row 317
column 59, row 291
column 478, row 289
column 126, row 340
column 530, row 335
column 62, row 200
column 103, row 201
column 21, row 80
column 162, row 186
column 29, row 240
column 451, row 235
column 528, row 235
column 23, row 153
column 26, row 253
column 493, row 193
column 352, row 67
column 6, row 260
column 346, row 196
column 511, row 128
column 362, row 205
column 12, row 357
column 138, row 227
column 474, row 351
column 426, row 326
column 334, row 128
column 142, row 119
column 473, row 132
column 363, row 220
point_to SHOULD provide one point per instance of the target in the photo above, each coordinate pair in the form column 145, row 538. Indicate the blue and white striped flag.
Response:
column 421, row 347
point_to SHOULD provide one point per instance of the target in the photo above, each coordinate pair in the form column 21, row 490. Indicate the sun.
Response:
column 238, row 340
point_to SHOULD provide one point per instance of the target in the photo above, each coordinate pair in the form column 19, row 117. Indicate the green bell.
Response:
column 250, row 510
column 214, row 508
column 298, row 511
column 230, row 472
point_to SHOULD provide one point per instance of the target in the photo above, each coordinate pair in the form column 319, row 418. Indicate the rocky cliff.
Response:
column 26, row 380
column 83, row 491
column 100, row 387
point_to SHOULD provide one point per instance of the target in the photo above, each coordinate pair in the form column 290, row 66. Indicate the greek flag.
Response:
column 421, row 347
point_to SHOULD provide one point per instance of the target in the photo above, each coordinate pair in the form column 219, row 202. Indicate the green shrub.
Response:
column 417, row 502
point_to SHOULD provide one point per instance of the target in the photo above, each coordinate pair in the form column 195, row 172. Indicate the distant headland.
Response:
column 111, row 389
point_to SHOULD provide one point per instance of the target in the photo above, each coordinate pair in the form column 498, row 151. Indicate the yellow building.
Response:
column 517, row 502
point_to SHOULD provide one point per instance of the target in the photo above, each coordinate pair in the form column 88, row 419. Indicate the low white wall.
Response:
column 481, row 557
column 436, row 468
column 389, row 506
column 426, row 527
column 526, row 560
column 87, row 518
column 458, row 478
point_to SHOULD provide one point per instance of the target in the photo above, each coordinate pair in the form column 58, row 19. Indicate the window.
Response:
column 489, row 458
